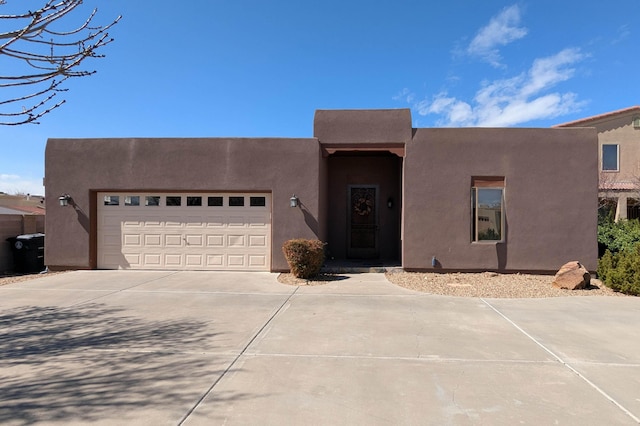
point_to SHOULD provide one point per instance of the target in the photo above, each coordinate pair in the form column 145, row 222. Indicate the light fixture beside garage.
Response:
column 293, row 201
column 64, row 200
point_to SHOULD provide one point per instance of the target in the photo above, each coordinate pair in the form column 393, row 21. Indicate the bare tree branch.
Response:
column 45, row 54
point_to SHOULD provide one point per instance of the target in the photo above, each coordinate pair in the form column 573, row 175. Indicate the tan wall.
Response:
column 619, row 130
column 550, row 198
column 12, row 225
column 81, row 167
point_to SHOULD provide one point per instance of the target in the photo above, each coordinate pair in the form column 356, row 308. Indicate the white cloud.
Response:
column 511, row 101
column 405, row 95
column 13, row 184
column 623, row 33
column 502, row 29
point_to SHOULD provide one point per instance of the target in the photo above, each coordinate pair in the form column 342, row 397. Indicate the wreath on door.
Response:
column 363, row 206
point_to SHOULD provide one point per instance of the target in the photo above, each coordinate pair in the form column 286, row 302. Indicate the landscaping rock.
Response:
column 572, row 276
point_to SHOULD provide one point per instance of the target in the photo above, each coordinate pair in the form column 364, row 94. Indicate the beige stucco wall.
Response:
column 619, row 130
column 616, row 128
column 550, row 198
column 81, row 167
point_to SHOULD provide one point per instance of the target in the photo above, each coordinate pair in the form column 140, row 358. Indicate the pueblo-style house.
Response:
column 368, row 183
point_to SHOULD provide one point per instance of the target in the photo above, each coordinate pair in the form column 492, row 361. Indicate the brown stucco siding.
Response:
column 83, row 167
column 355, row 127
column 550, row 198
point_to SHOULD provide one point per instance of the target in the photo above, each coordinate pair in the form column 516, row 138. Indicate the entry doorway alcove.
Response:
column 364, row 200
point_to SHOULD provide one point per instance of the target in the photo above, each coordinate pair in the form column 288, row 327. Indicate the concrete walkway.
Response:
column 203, row 348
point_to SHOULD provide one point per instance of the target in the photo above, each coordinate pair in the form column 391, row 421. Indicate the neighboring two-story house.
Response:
column 619, row 159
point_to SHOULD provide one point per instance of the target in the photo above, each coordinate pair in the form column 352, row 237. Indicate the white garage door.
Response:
column 182, row 231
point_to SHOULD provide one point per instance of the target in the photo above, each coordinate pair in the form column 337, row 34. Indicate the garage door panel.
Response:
column 181, row 237
column 257, row 260
column 193, row 260
column 257, row 240
column 236, row 240
column 194, row 222
column 215, row 260
column 173, row 260
column 152, row 259
column 235, row 260
column 131, row 223
column 132, row 259
column 111, row 221
column 215, row 240
column 113, row 240
column 215, row 222
column 194, row 240
column 173, row 240
column 237, row 222
column 132, row 240
column 152, row 240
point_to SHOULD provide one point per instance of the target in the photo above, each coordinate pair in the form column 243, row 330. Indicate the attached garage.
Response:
column 184, row 231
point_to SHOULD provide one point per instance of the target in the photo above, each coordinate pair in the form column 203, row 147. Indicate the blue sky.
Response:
column 258, row 68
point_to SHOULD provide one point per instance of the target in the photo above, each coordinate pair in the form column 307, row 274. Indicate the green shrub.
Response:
column 621, row 271
column 305, row 257
column 618, row 236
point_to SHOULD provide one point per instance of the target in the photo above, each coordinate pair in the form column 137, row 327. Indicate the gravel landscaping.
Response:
column 486, row 284
column 16, row 278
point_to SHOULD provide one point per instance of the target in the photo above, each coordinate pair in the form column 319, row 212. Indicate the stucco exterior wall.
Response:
column 551, row 185
column 362, row 126
column 83, row 167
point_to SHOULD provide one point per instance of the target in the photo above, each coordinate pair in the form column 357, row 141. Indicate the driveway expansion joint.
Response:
column 235, row 360
column 565, row 363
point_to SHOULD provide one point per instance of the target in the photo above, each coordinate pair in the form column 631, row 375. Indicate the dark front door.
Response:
column 363, row 222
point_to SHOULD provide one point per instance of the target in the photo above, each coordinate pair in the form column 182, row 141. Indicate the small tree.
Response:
column 43, row 54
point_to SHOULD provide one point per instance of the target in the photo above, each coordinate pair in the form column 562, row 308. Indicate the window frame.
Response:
column 602, row 162
column 487, row 183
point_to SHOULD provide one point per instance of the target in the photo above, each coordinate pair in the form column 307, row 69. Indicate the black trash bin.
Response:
column 28, row 252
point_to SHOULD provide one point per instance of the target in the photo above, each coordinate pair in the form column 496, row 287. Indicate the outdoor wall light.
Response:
column 390, row 202
column 293, row 201
column 64, row 200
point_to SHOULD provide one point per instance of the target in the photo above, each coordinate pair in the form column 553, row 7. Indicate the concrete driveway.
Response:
column 203, row 348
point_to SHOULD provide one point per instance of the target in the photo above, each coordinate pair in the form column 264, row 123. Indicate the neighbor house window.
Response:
column 487, row 209
column 610, row 158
